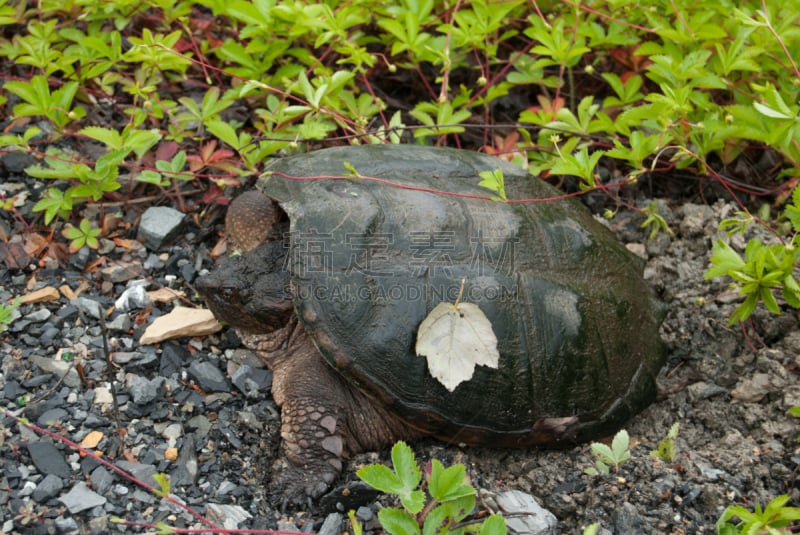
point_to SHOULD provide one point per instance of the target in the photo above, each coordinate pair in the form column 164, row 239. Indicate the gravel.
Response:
column 200, row 411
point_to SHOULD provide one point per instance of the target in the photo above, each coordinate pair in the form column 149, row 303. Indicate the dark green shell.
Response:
column 577, row 328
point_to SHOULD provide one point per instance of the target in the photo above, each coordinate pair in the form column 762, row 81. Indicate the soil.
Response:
column 729, row 388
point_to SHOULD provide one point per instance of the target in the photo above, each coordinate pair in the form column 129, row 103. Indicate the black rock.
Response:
column 13, row 390
column 172, row 358
column 208, row 377
column 48, row 459
column 49, row 487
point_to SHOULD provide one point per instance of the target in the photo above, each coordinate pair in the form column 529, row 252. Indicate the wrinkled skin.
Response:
column 324, row 419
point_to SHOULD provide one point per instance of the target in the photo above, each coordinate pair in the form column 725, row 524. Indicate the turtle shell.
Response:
column 370, row 256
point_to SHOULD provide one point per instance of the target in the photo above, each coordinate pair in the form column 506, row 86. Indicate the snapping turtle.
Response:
column 334, row 305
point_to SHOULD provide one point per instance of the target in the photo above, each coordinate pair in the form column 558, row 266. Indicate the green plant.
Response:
column 795, row 411
column 84, row 234
column 610, row 457
column 56, row 106
column 7, row 313
column 770, row 520
column 667, row 449
column 764, row 269
column 449, row 499
column 494, row 181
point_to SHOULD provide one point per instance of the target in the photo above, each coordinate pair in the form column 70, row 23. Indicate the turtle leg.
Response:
column 324, row 420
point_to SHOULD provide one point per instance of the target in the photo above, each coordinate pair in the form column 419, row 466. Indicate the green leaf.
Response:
column 494, row 181
column 494, row 525
column 437, row 521
column 382, row 478
column 620, row 445
column 163, row 484
column 224, row 132
column 397, row 522
column 724, row 260
column 108, row 136
column 448, row 483
column 769, row 112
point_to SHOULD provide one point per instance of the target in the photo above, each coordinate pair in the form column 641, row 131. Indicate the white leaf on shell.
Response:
column 455, row 339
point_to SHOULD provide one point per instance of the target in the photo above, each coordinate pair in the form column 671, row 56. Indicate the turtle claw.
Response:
column 293, row 485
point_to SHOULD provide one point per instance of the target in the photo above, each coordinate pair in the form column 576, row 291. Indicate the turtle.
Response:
column 344, row 251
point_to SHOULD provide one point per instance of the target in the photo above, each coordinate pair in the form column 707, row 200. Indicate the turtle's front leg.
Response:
column 313, row 448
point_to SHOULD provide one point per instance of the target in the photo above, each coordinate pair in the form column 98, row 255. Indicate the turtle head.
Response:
column 251, row 291
column 251, row 220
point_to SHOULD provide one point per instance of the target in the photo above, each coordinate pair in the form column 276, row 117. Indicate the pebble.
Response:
column 90, row 307
column 626, row 519
column 159, row 225
column 48, row 459
column 142, row 472
column 59, row 368
column 227, row 516
column 526, row 516
column 81, row 498
column 208, row 377
column 144, row 390
column 252, row 382
column 49, row 487
column 332, row 525
column 135, row 296
column 102, row 479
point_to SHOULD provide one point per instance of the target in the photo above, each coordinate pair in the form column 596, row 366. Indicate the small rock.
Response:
column 208, row 377
column 172, row 358
column 102, row 480
column 48, row 293
column 332, row 525
column 144, row 390
column 49, row 487
column 87, row 306
column 626, row 520
column 364, row 514
column 753, row 389
column 48, row 459
column 186, row 468
column 122, row 271
column 227, row 516
column 200, row 424
column 66, row 525
column 135, row 296
column 172, row 431
column 80, row 498
column 702, row 390
column 182, row 321
column 59, row 368
column 38, row 316
column 121, row 323
column 251, row 381
column 102, row 395
column 142, row 472
column 529, row 518
column 159, row 225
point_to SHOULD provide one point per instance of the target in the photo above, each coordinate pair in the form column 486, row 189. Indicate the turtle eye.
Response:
column 230, row 294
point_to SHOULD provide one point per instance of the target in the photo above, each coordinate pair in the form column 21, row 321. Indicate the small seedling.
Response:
column 442, row 510
column 667, row 450
column 771, row 519
column 494, row 180
column 84, row 234
column 795, row 411
column 7, row 314
column 608, row 457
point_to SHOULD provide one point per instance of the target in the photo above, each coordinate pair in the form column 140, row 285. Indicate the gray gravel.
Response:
column 199, row 410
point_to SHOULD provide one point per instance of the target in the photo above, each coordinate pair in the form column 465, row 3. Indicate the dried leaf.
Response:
column 455, row 338
column 91, row 440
